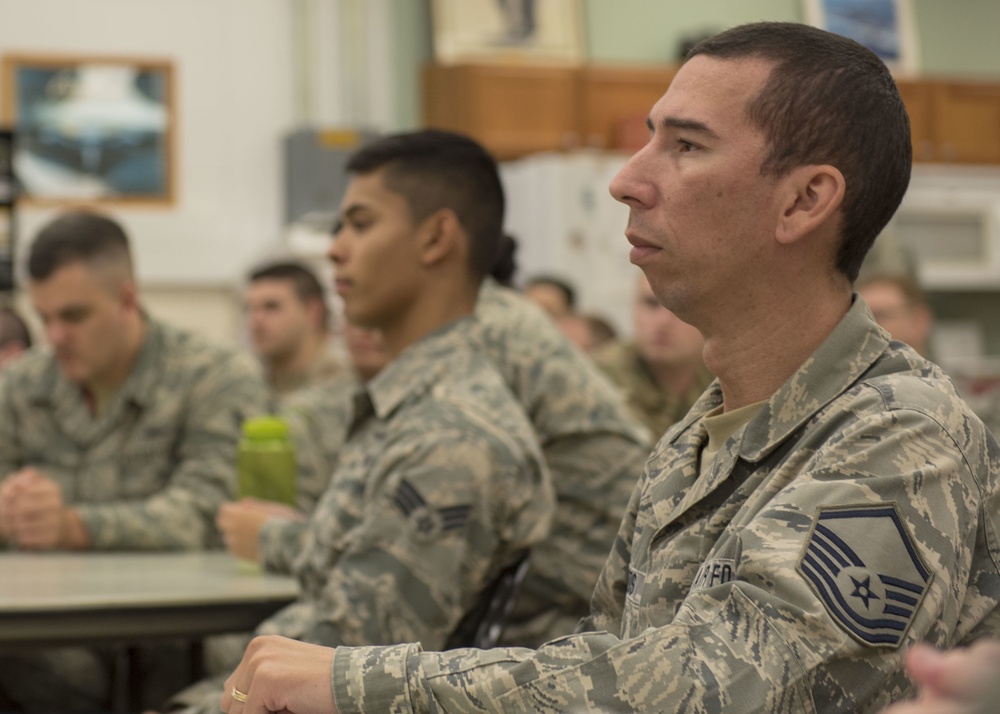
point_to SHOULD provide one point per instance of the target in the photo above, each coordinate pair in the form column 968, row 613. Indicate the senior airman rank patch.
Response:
column 427, row 522
column 862, row 563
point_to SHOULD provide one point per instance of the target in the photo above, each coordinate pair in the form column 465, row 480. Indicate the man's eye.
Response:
column 684, row 146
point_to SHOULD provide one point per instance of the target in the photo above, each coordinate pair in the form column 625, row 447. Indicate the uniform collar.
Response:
column 844, row 356
column 418, row 367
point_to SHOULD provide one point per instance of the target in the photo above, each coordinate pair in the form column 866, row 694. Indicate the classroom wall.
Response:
column 248, row 71
column 233, row 64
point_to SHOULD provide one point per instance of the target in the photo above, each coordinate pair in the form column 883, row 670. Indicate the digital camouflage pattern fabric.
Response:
column 594, row 451
column 712, row 599
column 439, row 485
column 151, row 470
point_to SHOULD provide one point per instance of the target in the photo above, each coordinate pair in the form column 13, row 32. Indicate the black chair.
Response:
column 483, row 624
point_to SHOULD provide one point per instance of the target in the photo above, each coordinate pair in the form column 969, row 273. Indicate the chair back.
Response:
column 483, row 624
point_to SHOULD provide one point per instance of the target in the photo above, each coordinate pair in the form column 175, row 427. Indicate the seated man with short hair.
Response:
column 121, row 435
column 440, row 484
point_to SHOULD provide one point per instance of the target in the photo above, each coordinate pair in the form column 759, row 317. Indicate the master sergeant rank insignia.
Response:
column 863, row 565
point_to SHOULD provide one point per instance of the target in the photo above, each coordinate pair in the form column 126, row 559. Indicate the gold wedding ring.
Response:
column 238, row 695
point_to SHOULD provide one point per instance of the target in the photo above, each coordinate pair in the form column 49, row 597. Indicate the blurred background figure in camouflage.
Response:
column 660, row 372
column 827, row 502
column 15, row 337
column 289, row 326
column 121, row 434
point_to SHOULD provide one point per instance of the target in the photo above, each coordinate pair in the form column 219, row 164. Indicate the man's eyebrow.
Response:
column 686, row 124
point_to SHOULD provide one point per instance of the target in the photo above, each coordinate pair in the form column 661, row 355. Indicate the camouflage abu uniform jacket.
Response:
column 856, row 513
column 152, row 469
column 438, row 485
column 593, row 450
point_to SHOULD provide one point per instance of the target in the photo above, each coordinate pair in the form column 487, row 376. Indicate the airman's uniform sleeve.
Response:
column 405, row 563
column 871, row 535
column 182, row 514
column 279, row 543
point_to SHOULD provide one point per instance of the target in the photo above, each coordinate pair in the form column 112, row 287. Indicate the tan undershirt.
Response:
column 720, row 426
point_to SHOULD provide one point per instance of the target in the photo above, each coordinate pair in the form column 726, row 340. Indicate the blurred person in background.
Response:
column 120, row 435
column 555, row 296
column 660, row 372
column 899, row 306
column 15, row 337
column 289, row 326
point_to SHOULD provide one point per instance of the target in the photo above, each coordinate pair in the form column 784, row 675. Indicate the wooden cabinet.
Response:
column 512, row 110
column 954, row 122
column 616, row 102
column 518, row 110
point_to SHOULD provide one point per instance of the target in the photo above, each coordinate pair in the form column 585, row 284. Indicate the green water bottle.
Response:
column 265, row 463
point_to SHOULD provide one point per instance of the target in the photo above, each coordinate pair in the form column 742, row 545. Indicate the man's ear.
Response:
column 814, row 195
column 129, row 294
column 441, row 235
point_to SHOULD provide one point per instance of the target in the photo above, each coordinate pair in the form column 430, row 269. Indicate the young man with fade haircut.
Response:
column 660, row 371
column 829, row 500
column 121, row 436
column 593, row 449
column 440, row 484
column 289, row 325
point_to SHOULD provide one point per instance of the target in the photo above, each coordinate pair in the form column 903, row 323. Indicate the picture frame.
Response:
column 886, row 27
column 508, row 31
column 90, row 129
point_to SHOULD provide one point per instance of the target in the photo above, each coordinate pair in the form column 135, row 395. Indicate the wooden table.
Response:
column 54, row 599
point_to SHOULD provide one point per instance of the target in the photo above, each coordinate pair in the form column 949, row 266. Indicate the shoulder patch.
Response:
column 426, row 522
column 863, row 565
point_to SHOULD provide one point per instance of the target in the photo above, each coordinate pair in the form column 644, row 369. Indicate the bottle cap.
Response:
column 265, row 427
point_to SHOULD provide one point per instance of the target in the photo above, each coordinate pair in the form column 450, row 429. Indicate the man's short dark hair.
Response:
column 828, row 100
column 304, row 282
column 565, row 289
column 13, row 329
column 78, row 237
column 436, row 169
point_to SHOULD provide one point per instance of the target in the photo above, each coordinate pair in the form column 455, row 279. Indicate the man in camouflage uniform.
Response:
column 592, row 448
column 289, row 326
column 440, row 483
column 829, row 501
column 122, row 436
column 660, row 371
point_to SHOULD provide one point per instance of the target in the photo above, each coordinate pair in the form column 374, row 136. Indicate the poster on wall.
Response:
column 886, row 27
column 508, row 30
column 90, row 128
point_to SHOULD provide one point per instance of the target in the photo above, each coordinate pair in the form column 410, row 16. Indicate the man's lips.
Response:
column 641, row 249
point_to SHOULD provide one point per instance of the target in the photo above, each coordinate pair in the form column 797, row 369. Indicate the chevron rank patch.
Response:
column 863, row 565
column 427, row 522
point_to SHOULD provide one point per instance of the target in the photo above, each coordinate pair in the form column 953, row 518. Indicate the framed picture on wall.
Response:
column 508, row 30
column 90, row 129
column 886, row 27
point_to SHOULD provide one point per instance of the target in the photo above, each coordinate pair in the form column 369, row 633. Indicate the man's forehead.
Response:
column 706, row 89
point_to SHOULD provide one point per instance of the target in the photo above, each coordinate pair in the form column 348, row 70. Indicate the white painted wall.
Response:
column 234, row 70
